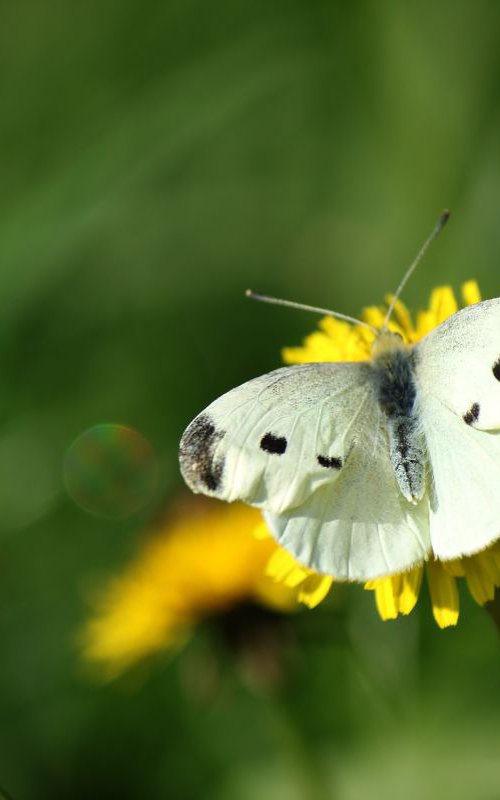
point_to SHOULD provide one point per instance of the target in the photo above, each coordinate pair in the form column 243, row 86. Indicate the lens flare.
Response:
column 110, row 471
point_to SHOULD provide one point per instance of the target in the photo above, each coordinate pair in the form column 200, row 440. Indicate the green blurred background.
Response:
column 157, row 159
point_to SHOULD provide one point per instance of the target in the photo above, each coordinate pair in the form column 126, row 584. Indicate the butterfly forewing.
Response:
column 276, row 439
column 458, row 363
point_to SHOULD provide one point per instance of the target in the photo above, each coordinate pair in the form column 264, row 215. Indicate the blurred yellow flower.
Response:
column 203, row 560
column 340, row 341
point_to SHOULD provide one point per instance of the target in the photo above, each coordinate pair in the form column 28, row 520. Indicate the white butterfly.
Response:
column 365, row 469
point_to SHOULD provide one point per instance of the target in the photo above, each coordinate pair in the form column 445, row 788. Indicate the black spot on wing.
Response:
column 496, row 369
column 197, row 455
column 273, row 444
column 472, row 415
column 330, row 463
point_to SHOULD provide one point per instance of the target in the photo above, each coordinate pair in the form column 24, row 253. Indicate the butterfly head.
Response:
column 386, row 343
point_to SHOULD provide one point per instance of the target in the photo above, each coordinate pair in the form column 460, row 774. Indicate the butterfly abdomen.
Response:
column 397, row 394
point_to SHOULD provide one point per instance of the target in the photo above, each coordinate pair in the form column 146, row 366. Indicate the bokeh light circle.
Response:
column 110, row 471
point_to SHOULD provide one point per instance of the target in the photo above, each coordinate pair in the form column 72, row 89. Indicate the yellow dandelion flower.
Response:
column 202, row 561
column 337, row 340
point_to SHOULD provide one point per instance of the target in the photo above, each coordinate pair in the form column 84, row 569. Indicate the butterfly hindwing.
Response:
column 465, row 488
column 360, row 527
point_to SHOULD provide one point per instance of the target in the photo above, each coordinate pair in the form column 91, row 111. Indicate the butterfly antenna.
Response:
column 443, row 219
column 264, row 298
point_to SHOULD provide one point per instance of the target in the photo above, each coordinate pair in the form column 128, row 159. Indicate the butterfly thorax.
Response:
column 396, row 393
